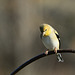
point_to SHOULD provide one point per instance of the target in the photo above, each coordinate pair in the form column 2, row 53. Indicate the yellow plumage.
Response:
column 50, row 38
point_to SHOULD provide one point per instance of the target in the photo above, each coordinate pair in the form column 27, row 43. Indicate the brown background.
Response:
column 20, row 35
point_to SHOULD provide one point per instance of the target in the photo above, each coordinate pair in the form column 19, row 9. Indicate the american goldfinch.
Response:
column 51, row 40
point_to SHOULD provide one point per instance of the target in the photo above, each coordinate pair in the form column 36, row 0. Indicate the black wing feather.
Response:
column 58, row 39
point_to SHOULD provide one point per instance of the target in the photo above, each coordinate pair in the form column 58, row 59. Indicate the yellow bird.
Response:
column 51, row 40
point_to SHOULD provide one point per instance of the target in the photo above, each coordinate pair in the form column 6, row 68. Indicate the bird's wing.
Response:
column 57, row 35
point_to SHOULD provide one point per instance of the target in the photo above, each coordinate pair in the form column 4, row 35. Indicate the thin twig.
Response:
column 40, row 56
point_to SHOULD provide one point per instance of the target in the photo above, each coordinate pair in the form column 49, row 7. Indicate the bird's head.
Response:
column 45, row 29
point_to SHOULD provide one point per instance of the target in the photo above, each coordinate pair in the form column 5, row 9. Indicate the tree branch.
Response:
column 38, row 57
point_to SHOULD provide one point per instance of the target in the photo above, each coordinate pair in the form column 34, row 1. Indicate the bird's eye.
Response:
column 45, row 29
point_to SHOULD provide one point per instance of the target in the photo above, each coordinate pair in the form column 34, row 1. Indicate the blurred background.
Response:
column 20, row 35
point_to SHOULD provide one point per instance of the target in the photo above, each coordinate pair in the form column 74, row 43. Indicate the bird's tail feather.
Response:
column 59, row 57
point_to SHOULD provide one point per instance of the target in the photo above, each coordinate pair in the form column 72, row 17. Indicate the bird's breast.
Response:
column 50, row 43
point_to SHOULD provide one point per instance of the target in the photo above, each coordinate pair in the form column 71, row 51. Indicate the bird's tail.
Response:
column 59, row 57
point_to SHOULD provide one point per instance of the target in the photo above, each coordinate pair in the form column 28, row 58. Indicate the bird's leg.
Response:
column 46, row 52
column 55, row 50
column 59, row 57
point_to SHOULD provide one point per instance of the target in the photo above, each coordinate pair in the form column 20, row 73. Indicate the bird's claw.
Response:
column 46, row 52
column 55, row 50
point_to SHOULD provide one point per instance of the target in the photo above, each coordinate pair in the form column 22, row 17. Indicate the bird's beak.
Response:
column 43, row 33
